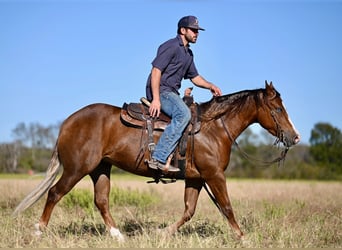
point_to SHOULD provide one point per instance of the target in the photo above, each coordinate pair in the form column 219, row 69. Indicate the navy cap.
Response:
column 189, row 22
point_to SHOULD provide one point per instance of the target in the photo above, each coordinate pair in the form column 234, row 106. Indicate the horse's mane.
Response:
column 230, row 103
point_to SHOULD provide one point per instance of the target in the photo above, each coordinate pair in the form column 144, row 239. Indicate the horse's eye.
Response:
column 279, row 110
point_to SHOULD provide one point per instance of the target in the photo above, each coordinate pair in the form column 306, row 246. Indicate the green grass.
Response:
column 83, row 199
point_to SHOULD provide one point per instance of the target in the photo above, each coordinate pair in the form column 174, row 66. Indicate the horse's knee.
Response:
column 228, row 210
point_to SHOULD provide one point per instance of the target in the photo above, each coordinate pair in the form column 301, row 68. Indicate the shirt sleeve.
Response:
column 164, row 56
column 191, row 72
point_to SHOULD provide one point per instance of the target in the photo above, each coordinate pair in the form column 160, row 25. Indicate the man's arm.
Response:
column 201, row 82
column 155, row 86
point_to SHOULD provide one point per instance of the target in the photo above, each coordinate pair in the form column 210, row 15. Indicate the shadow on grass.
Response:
column 203, row 229
column 131, row 228
column 75, row 228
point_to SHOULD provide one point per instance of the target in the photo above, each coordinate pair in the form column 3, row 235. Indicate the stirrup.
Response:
column 159, row 179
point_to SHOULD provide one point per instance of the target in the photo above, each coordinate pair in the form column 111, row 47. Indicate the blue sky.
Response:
column 58, row 56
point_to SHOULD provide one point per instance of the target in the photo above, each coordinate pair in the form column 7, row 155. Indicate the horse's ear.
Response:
column 270, row 91
column 266, row 84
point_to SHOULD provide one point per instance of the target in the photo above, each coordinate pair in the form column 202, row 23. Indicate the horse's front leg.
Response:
column 191, row 193
column 217, row 184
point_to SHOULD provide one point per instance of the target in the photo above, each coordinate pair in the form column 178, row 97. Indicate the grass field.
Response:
column 273, row 214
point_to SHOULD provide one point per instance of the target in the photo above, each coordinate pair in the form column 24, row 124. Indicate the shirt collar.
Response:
column 181, row 42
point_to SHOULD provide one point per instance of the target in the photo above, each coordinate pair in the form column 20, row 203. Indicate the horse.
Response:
column 94, row 138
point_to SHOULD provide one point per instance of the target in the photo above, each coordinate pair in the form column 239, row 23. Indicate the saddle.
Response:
column 137, row 115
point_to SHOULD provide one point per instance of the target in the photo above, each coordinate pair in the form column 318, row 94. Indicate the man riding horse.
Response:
column 174, row 61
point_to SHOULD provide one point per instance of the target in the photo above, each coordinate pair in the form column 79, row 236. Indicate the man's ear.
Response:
column 182, row 30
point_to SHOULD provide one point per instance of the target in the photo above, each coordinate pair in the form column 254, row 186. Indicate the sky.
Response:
column 57, row 56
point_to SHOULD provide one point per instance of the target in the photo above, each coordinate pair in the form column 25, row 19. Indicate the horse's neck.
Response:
column 237, row 122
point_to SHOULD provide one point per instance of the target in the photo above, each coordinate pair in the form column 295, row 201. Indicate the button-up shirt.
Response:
column 175, row 61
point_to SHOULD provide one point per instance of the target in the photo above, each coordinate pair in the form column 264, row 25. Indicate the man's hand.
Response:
column 215, row 90
column 155, row 108
column 201, row 82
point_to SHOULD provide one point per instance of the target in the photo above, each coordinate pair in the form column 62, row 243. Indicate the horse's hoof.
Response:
column 245, row 241
column 114, row 232
column 37, row 232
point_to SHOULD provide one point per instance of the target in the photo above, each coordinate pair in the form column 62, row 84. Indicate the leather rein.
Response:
column 261, row 162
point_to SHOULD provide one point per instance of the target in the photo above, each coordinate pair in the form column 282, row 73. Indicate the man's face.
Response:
column 191, row 35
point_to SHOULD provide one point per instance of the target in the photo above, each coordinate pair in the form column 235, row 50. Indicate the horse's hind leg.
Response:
column 62, row 187
column 191, row 193
column 101, row 179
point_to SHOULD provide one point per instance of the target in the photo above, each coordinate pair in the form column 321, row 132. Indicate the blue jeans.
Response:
column 174, row 106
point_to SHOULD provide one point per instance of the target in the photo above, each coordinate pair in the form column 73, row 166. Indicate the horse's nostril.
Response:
column 296, row 139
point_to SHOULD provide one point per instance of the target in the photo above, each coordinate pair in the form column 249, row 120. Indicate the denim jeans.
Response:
column 174, row 106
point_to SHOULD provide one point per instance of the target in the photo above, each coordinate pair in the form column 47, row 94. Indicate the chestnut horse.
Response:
column 94, row 138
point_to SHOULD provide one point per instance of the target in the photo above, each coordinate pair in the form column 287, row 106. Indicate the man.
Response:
column 188, row 98
column 174, row 61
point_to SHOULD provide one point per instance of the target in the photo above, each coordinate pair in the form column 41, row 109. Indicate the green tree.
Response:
column 326, row 146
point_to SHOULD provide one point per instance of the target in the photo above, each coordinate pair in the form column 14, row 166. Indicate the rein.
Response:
column 248, row 157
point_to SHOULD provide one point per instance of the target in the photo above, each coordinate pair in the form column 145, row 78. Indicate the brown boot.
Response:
column 155, row 164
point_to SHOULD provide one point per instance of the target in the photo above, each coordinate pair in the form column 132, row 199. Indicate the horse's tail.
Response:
column 40, row 190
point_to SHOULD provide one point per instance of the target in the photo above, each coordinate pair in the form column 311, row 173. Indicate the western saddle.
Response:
column 137, row 115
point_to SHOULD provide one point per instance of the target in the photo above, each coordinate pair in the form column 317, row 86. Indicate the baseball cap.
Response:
column 189, row 22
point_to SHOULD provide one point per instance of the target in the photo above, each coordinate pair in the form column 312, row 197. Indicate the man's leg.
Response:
column 173, row 105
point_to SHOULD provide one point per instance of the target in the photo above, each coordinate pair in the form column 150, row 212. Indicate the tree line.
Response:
column 32, row 145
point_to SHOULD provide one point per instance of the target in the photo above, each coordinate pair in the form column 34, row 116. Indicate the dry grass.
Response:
column 271, row 213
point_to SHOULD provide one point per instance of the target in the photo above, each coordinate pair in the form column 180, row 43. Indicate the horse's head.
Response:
column 273, row 117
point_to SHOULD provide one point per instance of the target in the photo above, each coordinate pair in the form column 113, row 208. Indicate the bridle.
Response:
column 280, row 132
column 280, row 136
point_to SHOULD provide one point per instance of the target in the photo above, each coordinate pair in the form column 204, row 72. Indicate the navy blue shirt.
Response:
column 175, row 63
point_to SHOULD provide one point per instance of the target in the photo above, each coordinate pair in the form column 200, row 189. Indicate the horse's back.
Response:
column 97, row 110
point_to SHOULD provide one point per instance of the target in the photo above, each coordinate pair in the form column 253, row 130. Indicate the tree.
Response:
column 34, row 141
column 9, row 156
column 36, row 135
column 326, row 146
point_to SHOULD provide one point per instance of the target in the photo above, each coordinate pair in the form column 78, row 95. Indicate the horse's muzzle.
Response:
column 289, row 140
